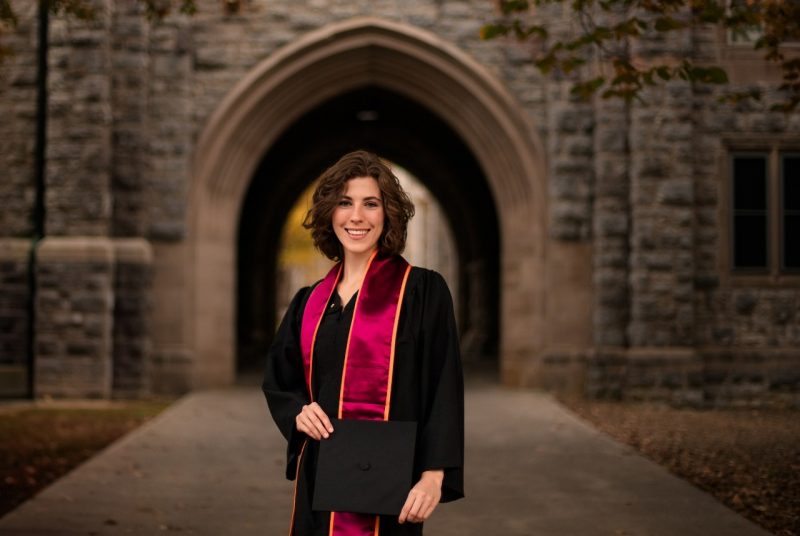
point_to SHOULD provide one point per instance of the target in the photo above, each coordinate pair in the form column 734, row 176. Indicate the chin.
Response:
column 361, row 248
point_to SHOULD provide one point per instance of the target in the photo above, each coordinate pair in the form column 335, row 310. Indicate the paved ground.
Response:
column 212, row 464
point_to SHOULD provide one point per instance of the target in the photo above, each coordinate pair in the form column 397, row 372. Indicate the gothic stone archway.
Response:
column 330, row 61
column 407, row 134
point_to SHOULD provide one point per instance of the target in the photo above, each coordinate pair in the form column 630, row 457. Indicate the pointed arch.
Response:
column 361, row 52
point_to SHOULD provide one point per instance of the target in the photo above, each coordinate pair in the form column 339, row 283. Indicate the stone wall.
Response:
column 611, row 223
column 698, row 334
column 14, row 316
column 18, row 124
column 78, row 177
column 74, row 317
column 747, row 330
column 170, row 131
column 130, row 81
column 18, row 89
column 93, row 306
column 640, row 183
column 133, row 273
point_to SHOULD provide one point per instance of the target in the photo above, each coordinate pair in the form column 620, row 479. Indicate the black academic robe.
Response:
column 427, row 387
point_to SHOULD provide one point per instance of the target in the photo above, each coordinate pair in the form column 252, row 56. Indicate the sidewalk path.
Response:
column 212, row 464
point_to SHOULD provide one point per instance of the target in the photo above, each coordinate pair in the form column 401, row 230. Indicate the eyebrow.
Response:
column 372, row 197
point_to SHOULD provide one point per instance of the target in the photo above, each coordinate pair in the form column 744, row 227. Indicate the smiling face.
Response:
column 358, row 216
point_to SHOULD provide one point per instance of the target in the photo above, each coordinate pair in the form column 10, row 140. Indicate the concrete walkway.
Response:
column 212, row 464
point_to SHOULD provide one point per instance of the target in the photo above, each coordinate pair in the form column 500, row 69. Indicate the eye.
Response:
column 344, row 203
column 372, row 204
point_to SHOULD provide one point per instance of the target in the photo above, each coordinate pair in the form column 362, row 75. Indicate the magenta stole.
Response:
column 369, row 357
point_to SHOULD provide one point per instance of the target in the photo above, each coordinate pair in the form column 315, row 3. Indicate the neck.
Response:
column 355, row 265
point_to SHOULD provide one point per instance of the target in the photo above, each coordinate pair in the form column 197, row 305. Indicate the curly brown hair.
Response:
column 397, row 206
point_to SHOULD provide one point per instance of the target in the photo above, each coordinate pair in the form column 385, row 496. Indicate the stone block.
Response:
column 723, row 335
column 784, row 309
column 745, row 302
column 67, row 362
column 133, row 291
column 612, row 257
column 573, row 120
column 679, row 132
column 676, row 192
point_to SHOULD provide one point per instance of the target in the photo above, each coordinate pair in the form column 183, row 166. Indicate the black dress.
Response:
column 427, row 387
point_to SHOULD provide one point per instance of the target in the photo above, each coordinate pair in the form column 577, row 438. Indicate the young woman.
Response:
column 375, row 339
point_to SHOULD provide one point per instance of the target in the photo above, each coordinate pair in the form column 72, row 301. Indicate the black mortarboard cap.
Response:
column 365, row 466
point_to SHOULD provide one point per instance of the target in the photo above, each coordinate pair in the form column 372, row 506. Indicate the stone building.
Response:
column 642, row 250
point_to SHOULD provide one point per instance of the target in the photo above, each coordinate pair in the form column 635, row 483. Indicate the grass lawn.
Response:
column 43, row 441
column 749, row 459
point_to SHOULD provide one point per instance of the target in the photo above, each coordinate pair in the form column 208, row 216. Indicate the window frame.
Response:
column 767, row 209
column 773, row 147
column 782, row 213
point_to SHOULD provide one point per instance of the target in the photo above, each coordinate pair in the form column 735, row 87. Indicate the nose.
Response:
column 356, row 214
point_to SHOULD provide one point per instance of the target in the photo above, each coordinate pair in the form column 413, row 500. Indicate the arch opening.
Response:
column 339, row 60
column 401, row 131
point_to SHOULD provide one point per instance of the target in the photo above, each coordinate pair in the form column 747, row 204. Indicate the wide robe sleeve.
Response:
column 441, row 441
column 284, row 383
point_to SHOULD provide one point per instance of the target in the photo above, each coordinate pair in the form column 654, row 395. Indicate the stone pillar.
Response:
column 570, row 156
column 611, row 223
column 14, row 316
column 662, row 194
column 78, row 195
column 18, row 123
column 567, row 278
column 133, row 273
column 74, row 317
column 170, row 105
column 610, row 228
column 473, row 340
column 129, row 95
column 662, row 362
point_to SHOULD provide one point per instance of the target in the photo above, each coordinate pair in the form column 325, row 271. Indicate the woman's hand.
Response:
column 313, row 422
column 423, row 497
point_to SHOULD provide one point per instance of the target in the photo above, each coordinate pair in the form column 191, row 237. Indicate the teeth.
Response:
column 357, row 233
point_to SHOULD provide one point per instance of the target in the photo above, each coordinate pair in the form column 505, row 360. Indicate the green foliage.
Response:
column 667, row 24
column 512, row 6
column 776, row 21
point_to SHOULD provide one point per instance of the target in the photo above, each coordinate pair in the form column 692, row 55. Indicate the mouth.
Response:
column 356, row 233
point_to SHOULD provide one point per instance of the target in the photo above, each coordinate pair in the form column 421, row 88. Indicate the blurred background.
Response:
column 612, row 192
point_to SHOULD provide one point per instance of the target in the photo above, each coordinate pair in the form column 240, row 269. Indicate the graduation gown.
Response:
column 427, row 388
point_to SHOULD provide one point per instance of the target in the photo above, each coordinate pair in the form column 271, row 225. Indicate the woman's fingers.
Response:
column 423, row 498
column 318, row 411
column 428, row 511
column 305, row 423
column 316, row 422
column 305, row 426
column 404, row 513
column 418, row 507
column 313, row 421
